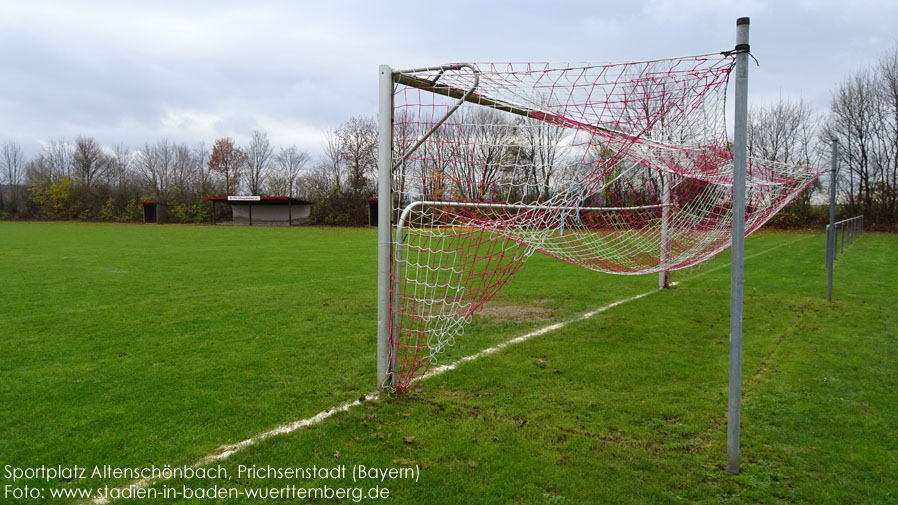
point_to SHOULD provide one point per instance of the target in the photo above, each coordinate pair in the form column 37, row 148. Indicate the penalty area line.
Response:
column 225, row 451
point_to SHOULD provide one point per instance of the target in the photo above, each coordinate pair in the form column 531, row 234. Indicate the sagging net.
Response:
column 621, row 168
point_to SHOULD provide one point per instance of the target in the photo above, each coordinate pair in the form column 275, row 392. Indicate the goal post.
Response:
column 384, row 223
column 618, row 168
column 737, row 281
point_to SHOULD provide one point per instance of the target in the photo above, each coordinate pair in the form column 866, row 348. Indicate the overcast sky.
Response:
column 132, row 72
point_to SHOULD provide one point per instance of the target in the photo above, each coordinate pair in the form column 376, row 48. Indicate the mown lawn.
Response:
column 137, row 345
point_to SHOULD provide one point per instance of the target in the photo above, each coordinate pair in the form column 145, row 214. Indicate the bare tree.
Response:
column 58, row 158
column 542, row 151
column 88, row 160
column 119, row 165
column 200, row 160
column 316, row 183
column 184, row 174
column 156, row 163
column 484, row 147
column 12, row 163
column 258, row 158
column 358, row 139
column 330, row 169
column 853, row 123
column 888, row 83
column 288, row 165
column 785, row 131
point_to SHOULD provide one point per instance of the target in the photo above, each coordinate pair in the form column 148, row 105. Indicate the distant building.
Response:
column 265, row 210
column 154, row 212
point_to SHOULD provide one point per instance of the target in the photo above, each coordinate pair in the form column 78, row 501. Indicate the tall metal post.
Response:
column 664, row 275
column 740, row 143
column 831, row 230
column 384, row 220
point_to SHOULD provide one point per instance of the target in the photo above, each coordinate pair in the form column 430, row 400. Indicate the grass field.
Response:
column 133, row 346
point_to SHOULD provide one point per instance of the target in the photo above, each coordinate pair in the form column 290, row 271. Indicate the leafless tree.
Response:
column 854, row 124
column 543, row 152
column 184, row 172
column 316, row 183
column 119, row 163
column 888, row 148
column 785, row 132
column 288, row 165
column 12, row 163
column 258, row 157
column 200, row 156
column 330, row 168
column 88, row 160
column 359, row 141
column 483, row 151
column 156, row 164
column 58, row 158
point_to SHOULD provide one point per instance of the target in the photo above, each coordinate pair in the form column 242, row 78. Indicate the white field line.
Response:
column 705, row 272
column 226, row 450
column 542, row 331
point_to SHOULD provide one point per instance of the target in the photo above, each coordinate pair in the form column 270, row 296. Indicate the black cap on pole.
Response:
column 742, row 21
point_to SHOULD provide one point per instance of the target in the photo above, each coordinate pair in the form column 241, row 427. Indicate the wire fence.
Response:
column 849, row 230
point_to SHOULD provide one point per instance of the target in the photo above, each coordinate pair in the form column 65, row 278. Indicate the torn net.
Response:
column 620, row 168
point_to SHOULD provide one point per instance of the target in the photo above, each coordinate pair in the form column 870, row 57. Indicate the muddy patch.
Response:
column 499, row 313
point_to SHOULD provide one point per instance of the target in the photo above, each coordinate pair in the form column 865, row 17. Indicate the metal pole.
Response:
column 844, row 226
column 740, row 142
column 384, row 224
column 831, row 229
column 664, row 275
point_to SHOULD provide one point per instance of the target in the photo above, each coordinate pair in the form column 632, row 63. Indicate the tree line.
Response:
column 82, row 180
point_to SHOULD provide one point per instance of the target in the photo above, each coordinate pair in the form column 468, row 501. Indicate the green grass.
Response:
column 137, row 345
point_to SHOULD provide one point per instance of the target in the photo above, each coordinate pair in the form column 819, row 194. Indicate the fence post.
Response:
column 831, row 227
column 843, row 236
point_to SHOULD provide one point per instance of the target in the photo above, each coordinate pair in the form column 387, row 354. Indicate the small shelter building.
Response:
column 264, row 210
column 154, row 212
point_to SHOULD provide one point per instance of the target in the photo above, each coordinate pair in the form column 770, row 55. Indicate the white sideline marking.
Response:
column 226, row 450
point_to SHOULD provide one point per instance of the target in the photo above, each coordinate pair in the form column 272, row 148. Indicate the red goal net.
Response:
column 619, row 168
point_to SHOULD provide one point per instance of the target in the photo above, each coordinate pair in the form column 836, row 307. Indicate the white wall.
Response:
column 272, row 214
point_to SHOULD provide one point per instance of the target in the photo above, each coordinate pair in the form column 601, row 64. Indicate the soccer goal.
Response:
column 621, row 168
